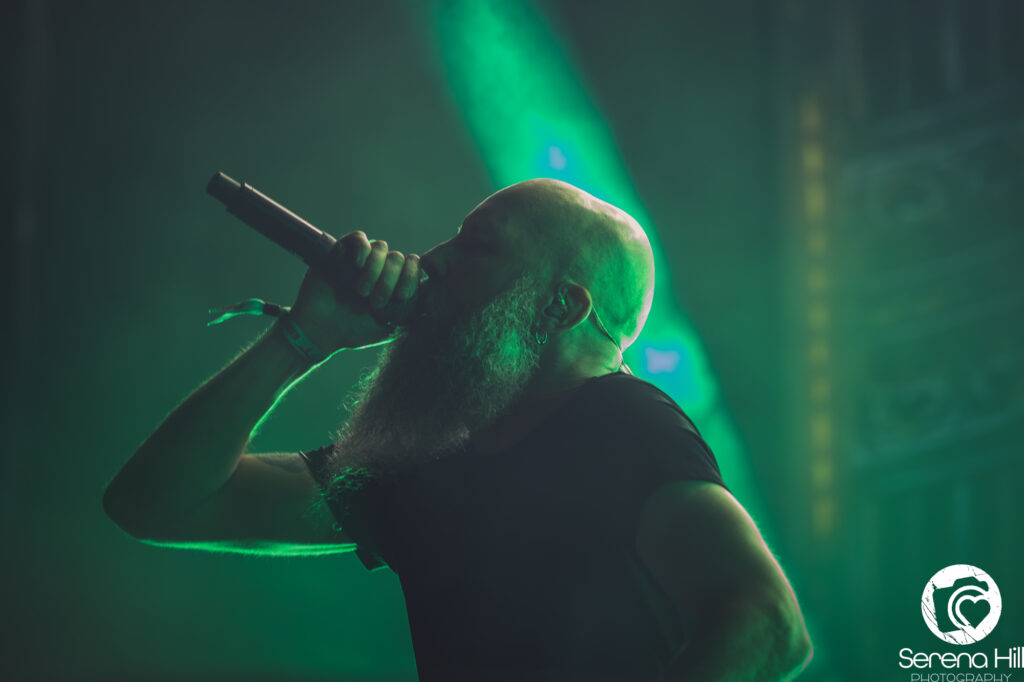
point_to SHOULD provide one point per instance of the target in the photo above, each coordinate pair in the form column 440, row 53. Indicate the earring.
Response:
column 542, row 338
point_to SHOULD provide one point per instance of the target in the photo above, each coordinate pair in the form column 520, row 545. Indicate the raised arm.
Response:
column 191, row 484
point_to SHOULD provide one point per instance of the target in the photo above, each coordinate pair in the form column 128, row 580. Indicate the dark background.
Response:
column 119, row 112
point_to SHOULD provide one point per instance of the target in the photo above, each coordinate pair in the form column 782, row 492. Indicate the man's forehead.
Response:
column 493, row 219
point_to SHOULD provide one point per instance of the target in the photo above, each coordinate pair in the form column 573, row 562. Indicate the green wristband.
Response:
column 256, row 306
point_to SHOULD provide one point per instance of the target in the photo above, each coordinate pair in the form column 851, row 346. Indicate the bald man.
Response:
column 549, row 516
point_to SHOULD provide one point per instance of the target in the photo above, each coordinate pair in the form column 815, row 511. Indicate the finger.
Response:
column 372, row 267
column 409, row 279
column 355, row 247
column 393, row 266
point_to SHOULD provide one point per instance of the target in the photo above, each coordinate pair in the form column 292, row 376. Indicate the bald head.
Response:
column 474, row 354
column 574, row 235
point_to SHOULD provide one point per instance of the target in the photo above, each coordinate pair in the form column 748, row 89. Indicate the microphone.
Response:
column 291, row 232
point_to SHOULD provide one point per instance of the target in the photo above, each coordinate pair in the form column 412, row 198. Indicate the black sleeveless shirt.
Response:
column 521, row 565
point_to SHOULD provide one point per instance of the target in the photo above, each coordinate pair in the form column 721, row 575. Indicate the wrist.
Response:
column 302, row 355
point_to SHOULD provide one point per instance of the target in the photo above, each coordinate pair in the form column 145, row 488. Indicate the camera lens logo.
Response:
column 961, row 604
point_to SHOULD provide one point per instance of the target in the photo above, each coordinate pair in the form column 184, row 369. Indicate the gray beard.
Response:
column 434, row 381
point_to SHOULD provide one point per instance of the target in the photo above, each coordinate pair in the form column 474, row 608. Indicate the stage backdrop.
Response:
column 835, row 191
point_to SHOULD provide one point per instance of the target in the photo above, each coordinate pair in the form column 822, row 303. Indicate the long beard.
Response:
column 435, row 381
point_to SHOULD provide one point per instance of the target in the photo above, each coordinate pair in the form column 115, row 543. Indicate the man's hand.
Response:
column 335, row 318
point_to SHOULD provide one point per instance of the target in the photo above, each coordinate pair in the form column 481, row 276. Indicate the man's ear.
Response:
column 570, row 306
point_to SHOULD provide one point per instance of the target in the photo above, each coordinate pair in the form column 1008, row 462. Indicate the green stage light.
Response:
column 531, row 117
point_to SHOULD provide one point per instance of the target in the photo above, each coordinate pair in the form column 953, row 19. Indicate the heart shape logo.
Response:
column 961, row 604
column 972, row 610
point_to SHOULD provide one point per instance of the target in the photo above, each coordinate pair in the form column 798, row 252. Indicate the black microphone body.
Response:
column 309, row 243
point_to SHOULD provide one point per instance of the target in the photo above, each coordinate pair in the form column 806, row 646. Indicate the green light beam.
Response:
column 530, row 116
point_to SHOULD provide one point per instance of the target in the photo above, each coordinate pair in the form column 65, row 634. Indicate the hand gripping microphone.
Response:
column 291, row 232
